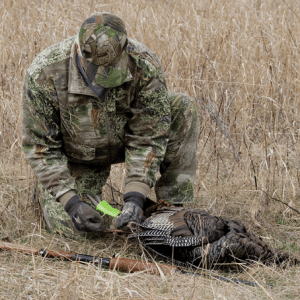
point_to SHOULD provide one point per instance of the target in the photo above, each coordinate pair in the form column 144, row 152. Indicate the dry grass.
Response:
column 241, row 58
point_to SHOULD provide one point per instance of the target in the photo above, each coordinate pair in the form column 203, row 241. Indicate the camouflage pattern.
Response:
column 130, row 213
column 71, row 138
column 102, row 39
column 64, row 121
column 55, row 217
column 89, row 179
column 178, row 168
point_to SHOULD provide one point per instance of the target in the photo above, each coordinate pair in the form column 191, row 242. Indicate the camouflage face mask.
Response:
column 102, row 41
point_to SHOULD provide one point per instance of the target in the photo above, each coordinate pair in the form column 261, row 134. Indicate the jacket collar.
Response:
column 76, row 82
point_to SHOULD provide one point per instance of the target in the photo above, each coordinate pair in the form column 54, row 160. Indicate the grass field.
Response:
column 240, row 60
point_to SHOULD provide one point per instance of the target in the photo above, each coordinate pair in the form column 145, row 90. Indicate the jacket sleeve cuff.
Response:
column 66, row 197
column 135, row 186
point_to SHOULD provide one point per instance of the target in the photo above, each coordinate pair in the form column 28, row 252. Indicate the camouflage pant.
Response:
column 177, row 170
column 179, row 166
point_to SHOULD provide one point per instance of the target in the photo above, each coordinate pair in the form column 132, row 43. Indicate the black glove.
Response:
column 132, row 210
column 83, row 217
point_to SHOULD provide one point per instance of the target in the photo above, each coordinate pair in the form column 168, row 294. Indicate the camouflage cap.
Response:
column 102, row 41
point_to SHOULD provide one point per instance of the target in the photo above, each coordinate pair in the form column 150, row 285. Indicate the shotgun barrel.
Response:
column 35, row 251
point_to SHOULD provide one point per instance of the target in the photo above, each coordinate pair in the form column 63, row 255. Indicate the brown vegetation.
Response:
column 240, row 59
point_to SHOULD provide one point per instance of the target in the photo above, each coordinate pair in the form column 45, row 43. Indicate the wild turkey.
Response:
column 194, row 237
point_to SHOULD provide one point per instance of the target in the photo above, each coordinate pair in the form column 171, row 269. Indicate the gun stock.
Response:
column 132, row 265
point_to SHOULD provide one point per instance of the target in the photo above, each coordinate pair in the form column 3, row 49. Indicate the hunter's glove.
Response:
column 132, row 210
column 83, row 217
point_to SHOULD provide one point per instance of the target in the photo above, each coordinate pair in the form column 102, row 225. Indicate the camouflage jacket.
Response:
column 63, row 120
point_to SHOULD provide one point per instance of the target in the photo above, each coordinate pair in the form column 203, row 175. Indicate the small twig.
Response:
column 170, row 60
column 112, row 193
column 251, row 160
column 117, row 191
column 278, row 200
column 11, row 125
column 221, row 125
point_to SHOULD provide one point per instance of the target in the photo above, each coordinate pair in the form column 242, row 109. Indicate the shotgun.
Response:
column 115, row 263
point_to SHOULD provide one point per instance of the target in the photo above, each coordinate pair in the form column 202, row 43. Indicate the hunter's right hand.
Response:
column 132, row 210
column 82, row 216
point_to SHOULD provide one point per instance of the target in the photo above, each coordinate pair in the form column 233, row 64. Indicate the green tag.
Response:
column 107, row 209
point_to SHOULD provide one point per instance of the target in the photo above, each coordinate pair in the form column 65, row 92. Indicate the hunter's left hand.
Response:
column 132, row 210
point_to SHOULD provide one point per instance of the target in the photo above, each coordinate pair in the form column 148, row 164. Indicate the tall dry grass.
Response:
column 239, row 58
